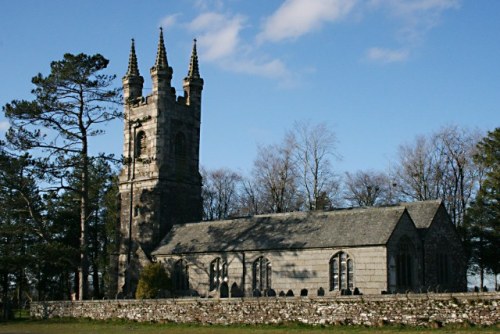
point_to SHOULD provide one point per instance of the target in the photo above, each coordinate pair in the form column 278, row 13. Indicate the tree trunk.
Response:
column 84, row 266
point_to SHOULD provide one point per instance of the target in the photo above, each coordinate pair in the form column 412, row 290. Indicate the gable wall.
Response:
column 404, row 229
column 442, row 239
column 291, row 270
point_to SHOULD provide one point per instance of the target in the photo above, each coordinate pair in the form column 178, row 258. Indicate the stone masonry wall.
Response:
column 375, row 310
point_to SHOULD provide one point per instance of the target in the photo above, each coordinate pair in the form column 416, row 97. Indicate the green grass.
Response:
column 72, row 326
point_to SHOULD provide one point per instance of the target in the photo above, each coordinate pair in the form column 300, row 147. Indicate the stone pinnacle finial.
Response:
column 133, row 69
column 161, row 55
column 194, row 71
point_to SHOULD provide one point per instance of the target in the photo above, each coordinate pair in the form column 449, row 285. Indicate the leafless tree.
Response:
column 220, row 193
column 440, row 166
column 276, row 178
column 250, row 198
column 314, row 147
column 368, row 188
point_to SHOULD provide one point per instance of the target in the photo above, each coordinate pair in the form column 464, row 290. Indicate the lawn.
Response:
column 112, row 327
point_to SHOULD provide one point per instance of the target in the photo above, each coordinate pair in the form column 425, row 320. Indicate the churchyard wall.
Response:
column 429, row 310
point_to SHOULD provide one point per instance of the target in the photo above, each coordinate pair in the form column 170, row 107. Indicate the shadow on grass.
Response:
column 85, row 326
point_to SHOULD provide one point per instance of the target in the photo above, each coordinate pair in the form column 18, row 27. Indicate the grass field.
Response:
column 69, row 326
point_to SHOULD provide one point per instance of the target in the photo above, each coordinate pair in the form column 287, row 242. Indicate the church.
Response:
column 409, row 247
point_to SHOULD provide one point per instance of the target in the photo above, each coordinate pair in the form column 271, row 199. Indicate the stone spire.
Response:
column 133, row 69
column 132, row 81
column 194, row 71
column 193, row 83
column 161, row 73
column 161, row 62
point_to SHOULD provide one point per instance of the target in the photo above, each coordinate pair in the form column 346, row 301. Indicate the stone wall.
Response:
column 291, row 270
column 461, row 309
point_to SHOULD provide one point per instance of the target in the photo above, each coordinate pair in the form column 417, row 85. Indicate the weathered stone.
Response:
column 430, row 310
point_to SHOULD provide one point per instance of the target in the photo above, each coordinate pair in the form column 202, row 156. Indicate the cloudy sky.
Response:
column 378, row 72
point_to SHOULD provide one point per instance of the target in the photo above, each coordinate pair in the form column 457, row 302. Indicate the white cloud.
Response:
column 219, row 34
column 4, row 126
column 412, row 7
column 298, row 17
column 417, row 17
column 206, row 5
column 169, row 21
column 220, row 42
column 387, row 55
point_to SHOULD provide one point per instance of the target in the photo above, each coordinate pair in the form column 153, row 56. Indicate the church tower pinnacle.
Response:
column 161, row 73
column 193, row 83
column 132, row 81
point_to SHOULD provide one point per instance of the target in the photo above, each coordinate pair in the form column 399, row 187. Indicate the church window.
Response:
column 180, row 146
column 443, row 268
column 404, row 264
column 218, row 273
column 181, row 275
column 180, row 153
column 141, row 144
column 262, row 272
column 341, row 272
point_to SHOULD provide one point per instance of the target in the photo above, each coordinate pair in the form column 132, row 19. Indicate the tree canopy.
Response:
column 71, row 105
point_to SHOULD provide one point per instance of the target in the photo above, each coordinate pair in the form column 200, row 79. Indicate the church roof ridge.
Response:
column 296, row 230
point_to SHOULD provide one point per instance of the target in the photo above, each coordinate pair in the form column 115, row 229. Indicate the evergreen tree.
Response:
column 71, row 104
column 483, row 217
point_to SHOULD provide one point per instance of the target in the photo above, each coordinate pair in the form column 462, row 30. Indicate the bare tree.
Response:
column 250, row 198
column 220, row 193
column 368, row 188
column 314, row 147
column 275, row 178
column 440, row 167
column 461, row 176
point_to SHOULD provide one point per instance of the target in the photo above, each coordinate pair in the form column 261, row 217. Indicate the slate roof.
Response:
column 296, row 230
column 422, row 213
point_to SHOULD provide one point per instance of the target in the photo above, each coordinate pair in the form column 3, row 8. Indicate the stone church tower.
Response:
column 160, row 183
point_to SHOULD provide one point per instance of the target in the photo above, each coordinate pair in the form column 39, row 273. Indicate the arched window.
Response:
column 180, row 146
column 341, row 272
column 218, row 273
column 443, row 268
column 262, row 272
column 404, row 264
column 140, row 144
column 180, row 154
column 181, row 275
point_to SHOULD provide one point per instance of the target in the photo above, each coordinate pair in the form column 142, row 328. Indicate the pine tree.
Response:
column 483, row 217
column 71, row 104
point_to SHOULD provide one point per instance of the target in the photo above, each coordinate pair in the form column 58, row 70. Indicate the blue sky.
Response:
column 378, row 72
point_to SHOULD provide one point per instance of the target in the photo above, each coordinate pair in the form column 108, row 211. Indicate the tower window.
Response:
column 180, row 146
column 140, row 144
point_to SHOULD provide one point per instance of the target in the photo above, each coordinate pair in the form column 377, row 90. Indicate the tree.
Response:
column 153, row 282
column 314, row 146
column 20, row 227
column 483, row 217
column 220, row 193
column 276, row 178
column 440, row 166
column 368, row 188
column 71, row 104
column 250, row 202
